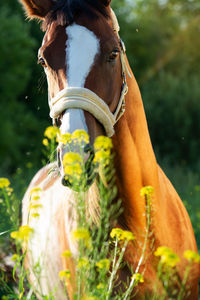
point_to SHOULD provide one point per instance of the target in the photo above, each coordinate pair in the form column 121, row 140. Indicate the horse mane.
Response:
column 65, row 11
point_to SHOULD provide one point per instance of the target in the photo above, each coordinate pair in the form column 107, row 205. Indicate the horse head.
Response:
column 83, row 58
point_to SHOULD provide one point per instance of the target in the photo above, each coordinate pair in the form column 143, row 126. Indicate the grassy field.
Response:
column 186, row 182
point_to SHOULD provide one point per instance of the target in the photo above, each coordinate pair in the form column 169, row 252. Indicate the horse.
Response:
column 91, row 87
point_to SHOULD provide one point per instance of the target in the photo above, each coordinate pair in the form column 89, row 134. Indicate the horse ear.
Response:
column 106, row 2
column 37, row 8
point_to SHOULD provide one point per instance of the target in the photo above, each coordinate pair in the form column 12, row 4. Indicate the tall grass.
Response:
column 101, row 246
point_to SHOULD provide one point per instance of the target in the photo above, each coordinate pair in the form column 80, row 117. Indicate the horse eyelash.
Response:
column 41, row 81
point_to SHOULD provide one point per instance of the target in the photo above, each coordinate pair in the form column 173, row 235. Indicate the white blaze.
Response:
column 73, row 119
column 82, row 46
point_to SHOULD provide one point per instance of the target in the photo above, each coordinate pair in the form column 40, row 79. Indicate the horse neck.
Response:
column 136, row 165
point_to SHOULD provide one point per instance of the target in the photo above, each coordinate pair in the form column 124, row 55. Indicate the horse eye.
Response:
column 113, row 55
column 41, row 61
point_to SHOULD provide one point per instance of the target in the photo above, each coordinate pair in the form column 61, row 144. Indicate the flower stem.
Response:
column 185, row 278
column 116, row 266
column 148, row 215
column 7, row 201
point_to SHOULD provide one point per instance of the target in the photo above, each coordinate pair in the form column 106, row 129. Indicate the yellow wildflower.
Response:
column 67, row 254
column 192, row 256
column 102, row 157
column 4, row 183
column 89, row 298
column 128, row 236
column 73, row 165
column 9, row 191
column 101, row 286
column 45, row 142
column 81, row 136
column 71, row 157
column 147, row 191
column 122, row 235
column 35, row 207
column 103, row 264
column 35, row 190
column 138, row 278
column 51, row 132
column 35, row 198
column 64, row 274
column 116, row 232
column 168, row 257
column 102, row 147
column 23, row 233
column 83, row 262
column 35, row 215
column 82, row 234
column 21, row 294
column 73, row 170
column 15, row 235
column 15, row 257
column 64, row 138
column 102, row 142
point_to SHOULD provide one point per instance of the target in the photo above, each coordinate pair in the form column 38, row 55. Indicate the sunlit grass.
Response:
column 101, row 243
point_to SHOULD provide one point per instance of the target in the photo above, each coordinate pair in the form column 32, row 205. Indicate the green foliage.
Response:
column 173, row 114
column 99, row 258
column 20, row 128
column 16, row 51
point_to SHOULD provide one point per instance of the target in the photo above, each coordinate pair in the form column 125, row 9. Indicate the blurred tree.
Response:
column 19, row 126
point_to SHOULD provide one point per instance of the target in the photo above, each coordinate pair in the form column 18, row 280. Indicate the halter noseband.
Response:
column 82, row 98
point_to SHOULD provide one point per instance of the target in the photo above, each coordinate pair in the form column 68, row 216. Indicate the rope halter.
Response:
column 82, row 98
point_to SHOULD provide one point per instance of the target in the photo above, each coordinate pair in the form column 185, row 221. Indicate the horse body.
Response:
column 136, row 165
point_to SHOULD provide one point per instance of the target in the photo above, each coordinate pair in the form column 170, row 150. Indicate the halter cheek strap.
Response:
column 74, row 97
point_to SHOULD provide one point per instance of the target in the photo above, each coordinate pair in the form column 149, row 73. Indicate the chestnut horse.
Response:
column 88, row 79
